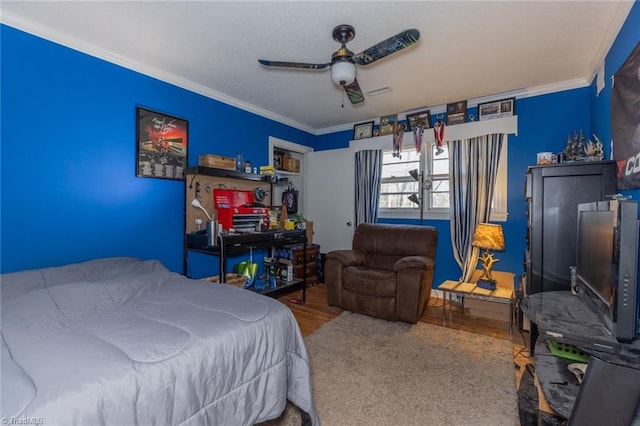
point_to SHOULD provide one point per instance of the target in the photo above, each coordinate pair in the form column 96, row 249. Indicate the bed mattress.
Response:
column 126, row 342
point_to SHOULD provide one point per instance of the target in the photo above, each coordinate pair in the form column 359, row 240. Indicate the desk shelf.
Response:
column 241, row 243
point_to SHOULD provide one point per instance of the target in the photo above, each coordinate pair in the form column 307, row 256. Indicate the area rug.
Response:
column 368, row 371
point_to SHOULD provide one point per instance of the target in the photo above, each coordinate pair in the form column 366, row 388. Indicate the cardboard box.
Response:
column 286, row 269
column 290, row 164
column 283, row 268
column 217, row 162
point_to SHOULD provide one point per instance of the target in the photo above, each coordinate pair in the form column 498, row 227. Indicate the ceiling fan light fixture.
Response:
column 343, row 73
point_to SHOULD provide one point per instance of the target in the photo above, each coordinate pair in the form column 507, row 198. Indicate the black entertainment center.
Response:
column 599, row 315
column 594, row 311
column 610, row 391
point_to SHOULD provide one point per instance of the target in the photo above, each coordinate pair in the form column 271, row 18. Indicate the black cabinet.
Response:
column 610, row 391
column 553, row 193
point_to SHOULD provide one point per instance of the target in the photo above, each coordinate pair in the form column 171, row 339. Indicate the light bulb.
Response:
column 343, row 73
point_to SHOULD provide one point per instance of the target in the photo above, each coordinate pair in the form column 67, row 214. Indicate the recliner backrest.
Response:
column 386, row 243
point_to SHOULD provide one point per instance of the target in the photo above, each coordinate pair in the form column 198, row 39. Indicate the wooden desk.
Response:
column 503, row 293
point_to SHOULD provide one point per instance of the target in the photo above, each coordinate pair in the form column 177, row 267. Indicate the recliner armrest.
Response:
column 347, row 257
column 414, row 262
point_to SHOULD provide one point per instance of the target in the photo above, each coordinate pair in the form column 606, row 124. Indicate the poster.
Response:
column 625, row 121
column 161, row 145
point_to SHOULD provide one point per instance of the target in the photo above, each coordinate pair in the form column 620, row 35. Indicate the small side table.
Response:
column 502, row 294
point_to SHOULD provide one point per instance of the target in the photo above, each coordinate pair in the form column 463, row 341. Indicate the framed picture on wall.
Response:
column 457, row 112
column 497, row 109
column 422, row 117
column 363, row 130
column 161, row 145
column 387, row 124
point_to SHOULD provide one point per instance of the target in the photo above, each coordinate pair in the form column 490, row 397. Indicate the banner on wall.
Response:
column 625, row 121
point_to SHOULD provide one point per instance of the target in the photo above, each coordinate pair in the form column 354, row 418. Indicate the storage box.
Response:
column 290, row 164
column 282, row 267
column 286, row 269
column 217, row 162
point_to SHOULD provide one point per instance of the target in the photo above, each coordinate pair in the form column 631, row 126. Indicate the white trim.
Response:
column 286, row 145
column 13, row 20
column 47, row 33
column 506, row 125
column 518, row 94
column 623, row 8
column 499, row 212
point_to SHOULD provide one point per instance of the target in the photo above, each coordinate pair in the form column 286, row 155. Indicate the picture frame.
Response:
column 457, row 113
column 387, row 124
column 421, row 117
column 363, row 130
column 497, row 109
column 162, row 143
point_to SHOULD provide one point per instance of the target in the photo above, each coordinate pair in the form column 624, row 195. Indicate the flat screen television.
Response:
column 606, row 264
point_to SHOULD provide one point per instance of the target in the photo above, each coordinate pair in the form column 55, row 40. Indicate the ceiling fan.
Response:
column 343, row 61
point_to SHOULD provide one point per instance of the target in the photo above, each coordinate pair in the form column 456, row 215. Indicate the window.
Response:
column 398, row 186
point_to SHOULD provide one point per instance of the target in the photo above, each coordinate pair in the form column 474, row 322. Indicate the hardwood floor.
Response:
column 316, row 312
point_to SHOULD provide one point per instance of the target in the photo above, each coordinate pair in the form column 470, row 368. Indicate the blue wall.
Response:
column 544, row 122
column 69, row 191
column 543, row 125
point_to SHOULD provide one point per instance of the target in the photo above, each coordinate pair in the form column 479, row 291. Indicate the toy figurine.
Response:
column 398, row 135
column 438, row 130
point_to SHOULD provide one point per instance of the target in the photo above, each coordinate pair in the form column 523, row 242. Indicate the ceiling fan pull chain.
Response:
column 342, row 98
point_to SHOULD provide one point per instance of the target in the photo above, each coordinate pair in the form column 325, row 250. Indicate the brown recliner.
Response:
column 388, row 273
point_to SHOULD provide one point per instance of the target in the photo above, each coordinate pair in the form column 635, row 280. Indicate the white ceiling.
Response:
column 467, row 50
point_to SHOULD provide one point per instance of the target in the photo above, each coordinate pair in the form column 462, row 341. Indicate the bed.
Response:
column 121, row 341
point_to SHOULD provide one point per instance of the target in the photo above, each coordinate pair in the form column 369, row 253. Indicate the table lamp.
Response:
column 488, row 237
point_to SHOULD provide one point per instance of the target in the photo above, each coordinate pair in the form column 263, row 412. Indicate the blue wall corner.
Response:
column 69, row 190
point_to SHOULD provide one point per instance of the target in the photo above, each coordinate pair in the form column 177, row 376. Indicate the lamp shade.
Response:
column 343, row 73
column 489, row 237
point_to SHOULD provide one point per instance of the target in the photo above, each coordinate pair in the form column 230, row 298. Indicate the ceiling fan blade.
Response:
column 285, row 64
column 354, row 93
column 387, row 47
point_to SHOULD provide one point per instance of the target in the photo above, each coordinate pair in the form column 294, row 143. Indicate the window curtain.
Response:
column 368, row 178
column 473, row 168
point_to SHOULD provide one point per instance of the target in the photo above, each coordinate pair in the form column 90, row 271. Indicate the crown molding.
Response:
column 609, row 37
column 439, row 109
column 49, row 34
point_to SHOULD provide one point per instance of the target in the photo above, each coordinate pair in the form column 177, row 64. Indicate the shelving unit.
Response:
column 200, row 183
column 297, row 179
column 242, row 243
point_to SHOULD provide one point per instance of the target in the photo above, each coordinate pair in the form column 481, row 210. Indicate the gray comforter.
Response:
column 125, row 342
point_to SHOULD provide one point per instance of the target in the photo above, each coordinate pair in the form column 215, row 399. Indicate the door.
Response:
column 330, row 200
